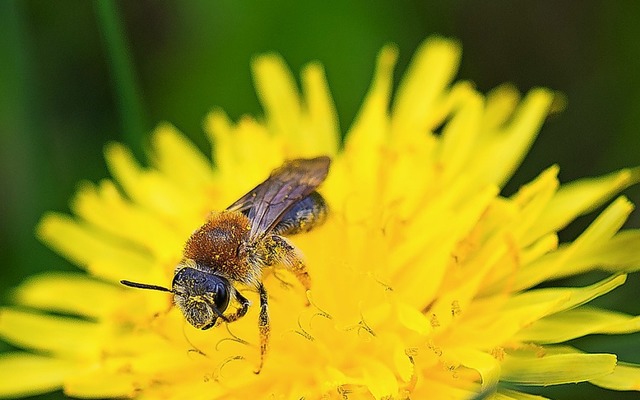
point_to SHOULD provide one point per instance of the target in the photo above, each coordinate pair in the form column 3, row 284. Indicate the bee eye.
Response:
column 221, row 299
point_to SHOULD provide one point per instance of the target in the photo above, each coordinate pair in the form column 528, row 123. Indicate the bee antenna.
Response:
column 145, row 286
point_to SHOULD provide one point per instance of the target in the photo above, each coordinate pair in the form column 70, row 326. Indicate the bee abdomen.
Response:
column 303, row 216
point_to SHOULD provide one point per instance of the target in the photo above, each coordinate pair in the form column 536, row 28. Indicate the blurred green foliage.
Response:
column 60, row 102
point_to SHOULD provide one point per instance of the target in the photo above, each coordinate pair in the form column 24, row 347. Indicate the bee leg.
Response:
column 263, row 325
column 291, row 258
column 244, row 307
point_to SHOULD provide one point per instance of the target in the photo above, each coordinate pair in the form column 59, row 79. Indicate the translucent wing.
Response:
column 265, row 204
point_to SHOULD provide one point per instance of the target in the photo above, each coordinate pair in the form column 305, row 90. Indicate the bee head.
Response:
column 201, row 296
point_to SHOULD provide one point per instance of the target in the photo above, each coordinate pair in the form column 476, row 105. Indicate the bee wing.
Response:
column 265, row 204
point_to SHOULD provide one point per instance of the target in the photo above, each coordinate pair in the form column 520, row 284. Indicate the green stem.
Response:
column 125, row 85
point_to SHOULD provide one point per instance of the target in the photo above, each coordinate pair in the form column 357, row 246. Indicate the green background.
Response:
column 63, row 86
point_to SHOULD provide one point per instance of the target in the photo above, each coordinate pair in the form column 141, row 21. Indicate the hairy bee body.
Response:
column 219, row 245
column 235, row 245
column 303, row 216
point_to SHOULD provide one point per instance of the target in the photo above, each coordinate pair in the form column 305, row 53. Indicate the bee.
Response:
column 235, row 246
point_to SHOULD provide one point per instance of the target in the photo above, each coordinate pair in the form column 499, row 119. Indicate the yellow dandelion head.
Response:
column 423, row 276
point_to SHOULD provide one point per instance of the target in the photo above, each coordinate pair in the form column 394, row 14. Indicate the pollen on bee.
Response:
column 218, row 239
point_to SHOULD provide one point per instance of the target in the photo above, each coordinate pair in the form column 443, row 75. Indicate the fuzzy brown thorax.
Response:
column 219, row 246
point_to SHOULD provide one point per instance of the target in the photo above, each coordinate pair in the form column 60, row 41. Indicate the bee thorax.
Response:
column 217, row 245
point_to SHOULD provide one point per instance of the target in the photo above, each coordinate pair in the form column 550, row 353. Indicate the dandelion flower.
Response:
column 424, row 276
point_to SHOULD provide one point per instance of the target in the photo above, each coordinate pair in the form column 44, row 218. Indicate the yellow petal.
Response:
column 413, row 319
column 624, row 377
column 179, row 159
column 379, row 379
column 93, row 250
column 419, row 285
column 404, row 363
column 497, row 157
column 508, row 394
column 571, row 324
column 600, row 231
column 124, row 168
column 365, row 138
column 620, row 254
column 244, row 154
column 580, row 197
column 532, row 200
column 570, row 259
column 153, row 190
column 69, row 337
column 70, row 293
column 574, row 296
column 486, row 365
column 499, row 106
column 539, row 248
column 431, row 70
column 101, row 384
column 218, row 128
column 459, row 136
column 435, row 389
column 369, row 127
column 324, row 134
column 486, row 330
column 533, row 369
column 105, row 208
column 278, row 93
column 23, row 374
